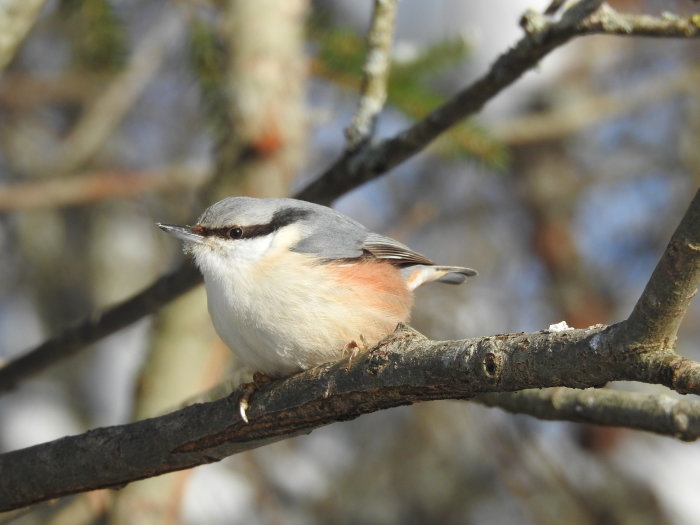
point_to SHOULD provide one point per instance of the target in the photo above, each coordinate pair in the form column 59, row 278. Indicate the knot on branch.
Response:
column 533, row 22
column 685, row 376
column 492, row 366
column 492, row 361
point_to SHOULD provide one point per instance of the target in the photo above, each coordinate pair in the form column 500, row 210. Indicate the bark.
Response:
column 404, row 369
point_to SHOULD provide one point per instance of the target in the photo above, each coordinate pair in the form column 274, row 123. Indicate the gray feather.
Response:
column 328, row 234
column 387, row 248
column 332, row 235
column 457, row 275
column 246, row 211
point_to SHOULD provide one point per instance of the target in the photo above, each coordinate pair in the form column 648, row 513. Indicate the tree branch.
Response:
column 591, row 110
column 16, row 19
column 356, row 167
column 403, row 369
column 543, row 35
column 163, row 290
column 609, row 22
column 662, row 306
column 112, row 104
column 88, row 188
column 658, row 413
column 353, row 169
column 376, row 73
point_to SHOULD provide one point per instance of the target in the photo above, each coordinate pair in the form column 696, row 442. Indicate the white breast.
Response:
column 281, row 312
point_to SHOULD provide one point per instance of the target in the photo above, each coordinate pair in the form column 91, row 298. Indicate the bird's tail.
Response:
column 421, row 274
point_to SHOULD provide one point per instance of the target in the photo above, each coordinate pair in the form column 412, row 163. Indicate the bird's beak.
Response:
column 184, row 233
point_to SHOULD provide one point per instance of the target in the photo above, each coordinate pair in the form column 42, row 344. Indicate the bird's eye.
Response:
column 235, row 233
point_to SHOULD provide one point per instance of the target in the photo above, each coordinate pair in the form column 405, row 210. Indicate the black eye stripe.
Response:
column 281, row 218
column 233, row 232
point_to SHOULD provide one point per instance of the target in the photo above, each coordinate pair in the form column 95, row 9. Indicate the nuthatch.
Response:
column 291, row 284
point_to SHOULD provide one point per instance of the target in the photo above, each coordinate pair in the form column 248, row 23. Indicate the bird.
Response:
column 291, row 284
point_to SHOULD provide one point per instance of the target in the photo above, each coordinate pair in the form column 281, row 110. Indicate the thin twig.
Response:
column 163, row 290
column 16, row 19
column 609, row 22
column 553, row 7
column 543, row 35
column 110, row 107
column 355, row 168
column 24, row 91
column 376, row 74
column 89, row 188
column 658, row 413
column 592, row 110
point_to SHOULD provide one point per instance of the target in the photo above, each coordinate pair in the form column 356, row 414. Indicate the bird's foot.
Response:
column 353, row 349
column 247, row 390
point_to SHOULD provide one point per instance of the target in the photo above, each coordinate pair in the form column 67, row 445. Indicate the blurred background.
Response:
column 563, row 192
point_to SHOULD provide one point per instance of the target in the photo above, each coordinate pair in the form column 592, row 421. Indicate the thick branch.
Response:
column 662, row 306
column 376, row 73
column 404, row 369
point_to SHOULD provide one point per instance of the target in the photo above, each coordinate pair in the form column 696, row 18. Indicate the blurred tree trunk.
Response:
column 183, row 360
column 259, row 153
column 16, row 19
column 264, row 89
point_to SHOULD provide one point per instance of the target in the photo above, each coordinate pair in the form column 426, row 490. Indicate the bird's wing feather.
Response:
column 331, row 235
column 387, row 248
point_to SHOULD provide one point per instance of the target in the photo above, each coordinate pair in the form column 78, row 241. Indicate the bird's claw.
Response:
column 242, row 407
column 354, row 350
column 247, row 390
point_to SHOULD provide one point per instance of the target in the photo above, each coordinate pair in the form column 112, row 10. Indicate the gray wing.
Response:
column 387, row 248
column 332, row 235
